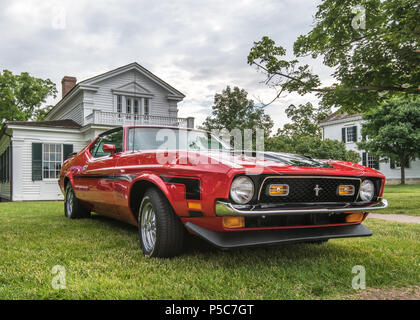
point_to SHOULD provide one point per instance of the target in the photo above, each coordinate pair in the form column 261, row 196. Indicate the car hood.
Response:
column 272, row 163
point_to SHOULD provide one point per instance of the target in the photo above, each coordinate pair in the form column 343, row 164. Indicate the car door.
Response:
column 97, row 176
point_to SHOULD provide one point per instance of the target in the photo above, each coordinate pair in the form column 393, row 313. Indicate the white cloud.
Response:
column 198, row 47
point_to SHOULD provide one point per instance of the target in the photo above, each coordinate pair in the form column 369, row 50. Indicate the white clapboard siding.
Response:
column 73, row 110
column 23, row 187
column 332, row 130
column 103, row 99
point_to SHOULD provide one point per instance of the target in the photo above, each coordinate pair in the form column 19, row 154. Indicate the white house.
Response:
column 31, row 153
column 347, row 128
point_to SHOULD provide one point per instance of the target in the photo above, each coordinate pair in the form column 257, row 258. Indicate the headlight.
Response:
column 242, row 190
column 367, row 190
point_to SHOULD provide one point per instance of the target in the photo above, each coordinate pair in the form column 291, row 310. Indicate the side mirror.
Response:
column 109, row 148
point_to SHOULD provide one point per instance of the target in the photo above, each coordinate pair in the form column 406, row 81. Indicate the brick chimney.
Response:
column 67, row 84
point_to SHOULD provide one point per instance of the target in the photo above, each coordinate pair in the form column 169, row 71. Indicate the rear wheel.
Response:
column 72, row 207
column 161, row 232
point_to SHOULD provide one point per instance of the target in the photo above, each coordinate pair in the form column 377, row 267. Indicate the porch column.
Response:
column 190, row 122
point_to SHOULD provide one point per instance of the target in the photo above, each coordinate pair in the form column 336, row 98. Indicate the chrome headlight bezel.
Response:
column 367, row 190
column 242, row 190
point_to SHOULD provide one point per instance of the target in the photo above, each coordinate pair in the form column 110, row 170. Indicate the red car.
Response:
column 168, row 181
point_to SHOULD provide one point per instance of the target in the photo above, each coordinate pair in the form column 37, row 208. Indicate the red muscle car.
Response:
column 171, row 182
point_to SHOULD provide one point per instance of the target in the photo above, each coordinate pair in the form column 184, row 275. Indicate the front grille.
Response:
column 302, row 189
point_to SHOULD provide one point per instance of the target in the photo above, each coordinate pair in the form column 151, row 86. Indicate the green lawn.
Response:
column 402, row 199
column 103, row 260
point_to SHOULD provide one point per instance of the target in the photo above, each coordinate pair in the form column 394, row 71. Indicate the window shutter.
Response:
column 392, row 164
column 407, row 163
column 376, row 164
column 36, row 161
column 355, row 133
column 343, row 134
column 67, row 150
column 364, row 162
column 1, row 169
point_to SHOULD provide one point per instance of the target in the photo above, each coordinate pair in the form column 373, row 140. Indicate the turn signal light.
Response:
column 354, row 217
column 278, row 190
column 233, row 222
column 194, row 205
column 346, row 190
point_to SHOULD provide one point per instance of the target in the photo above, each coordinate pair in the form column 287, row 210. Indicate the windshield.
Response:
column 173, row 139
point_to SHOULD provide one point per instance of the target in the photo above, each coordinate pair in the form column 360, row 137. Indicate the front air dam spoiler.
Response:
column 236, row 239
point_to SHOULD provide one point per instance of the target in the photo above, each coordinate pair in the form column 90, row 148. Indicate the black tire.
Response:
column 156, row 214
column 72, row 207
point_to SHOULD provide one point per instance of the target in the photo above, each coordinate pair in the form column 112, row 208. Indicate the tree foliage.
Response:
column 303, row 136
column 305, row 120
column 393, row 131
column 41, row 113
column 312, row 146
column 233, row 110
column 22, row 96
column 370, row 64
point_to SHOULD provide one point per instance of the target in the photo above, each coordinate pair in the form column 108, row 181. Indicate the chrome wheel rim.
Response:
column 148, row 226
column 69, row 203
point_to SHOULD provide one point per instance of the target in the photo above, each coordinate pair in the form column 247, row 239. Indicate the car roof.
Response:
column 149, row 126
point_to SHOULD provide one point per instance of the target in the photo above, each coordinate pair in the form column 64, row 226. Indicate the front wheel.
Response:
column 72, row 207
column 161, row 232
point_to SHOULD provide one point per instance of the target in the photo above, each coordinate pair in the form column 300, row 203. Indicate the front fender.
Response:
column 70, row 176
column 156, row 180
column 175, row 193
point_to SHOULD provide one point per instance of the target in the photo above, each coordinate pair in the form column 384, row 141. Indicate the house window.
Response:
column 5, row 166
column 349, row 134
column 397, row 164
column 136, row 106
column 128, row 100
column 372, row 162
column 119, row 104
column 146, row 107
column 52, row 157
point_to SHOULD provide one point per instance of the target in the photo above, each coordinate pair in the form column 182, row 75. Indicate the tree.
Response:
column 41, row 113
column 312, row 146
column 303, row 136
column 393, row 131
column 22, row 96
column 305, row 120
column 373, row 59
column 233, row 110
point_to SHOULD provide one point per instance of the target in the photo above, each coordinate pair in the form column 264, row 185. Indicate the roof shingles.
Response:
column 65, row 124
column 339, row 116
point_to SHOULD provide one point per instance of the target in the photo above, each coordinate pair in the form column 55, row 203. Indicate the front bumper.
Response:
column 229, row 209
column 226, row 240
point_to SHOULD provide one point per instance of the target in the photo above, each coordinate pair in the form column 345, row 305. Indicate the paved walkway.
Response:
column 395, row 217
column 409, row 293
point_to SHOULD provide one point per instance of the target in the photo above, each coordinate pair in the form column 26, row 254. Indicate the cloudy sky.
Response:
column 199, row 47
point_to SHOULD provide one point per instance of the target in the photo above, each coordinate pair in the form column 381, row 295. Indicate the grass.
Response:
column 403, row 199
column 103, row 261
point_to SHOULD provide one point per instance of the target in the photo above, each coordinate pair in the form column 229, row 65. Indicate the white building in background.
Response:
column 347, row 128
column 31, row 153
